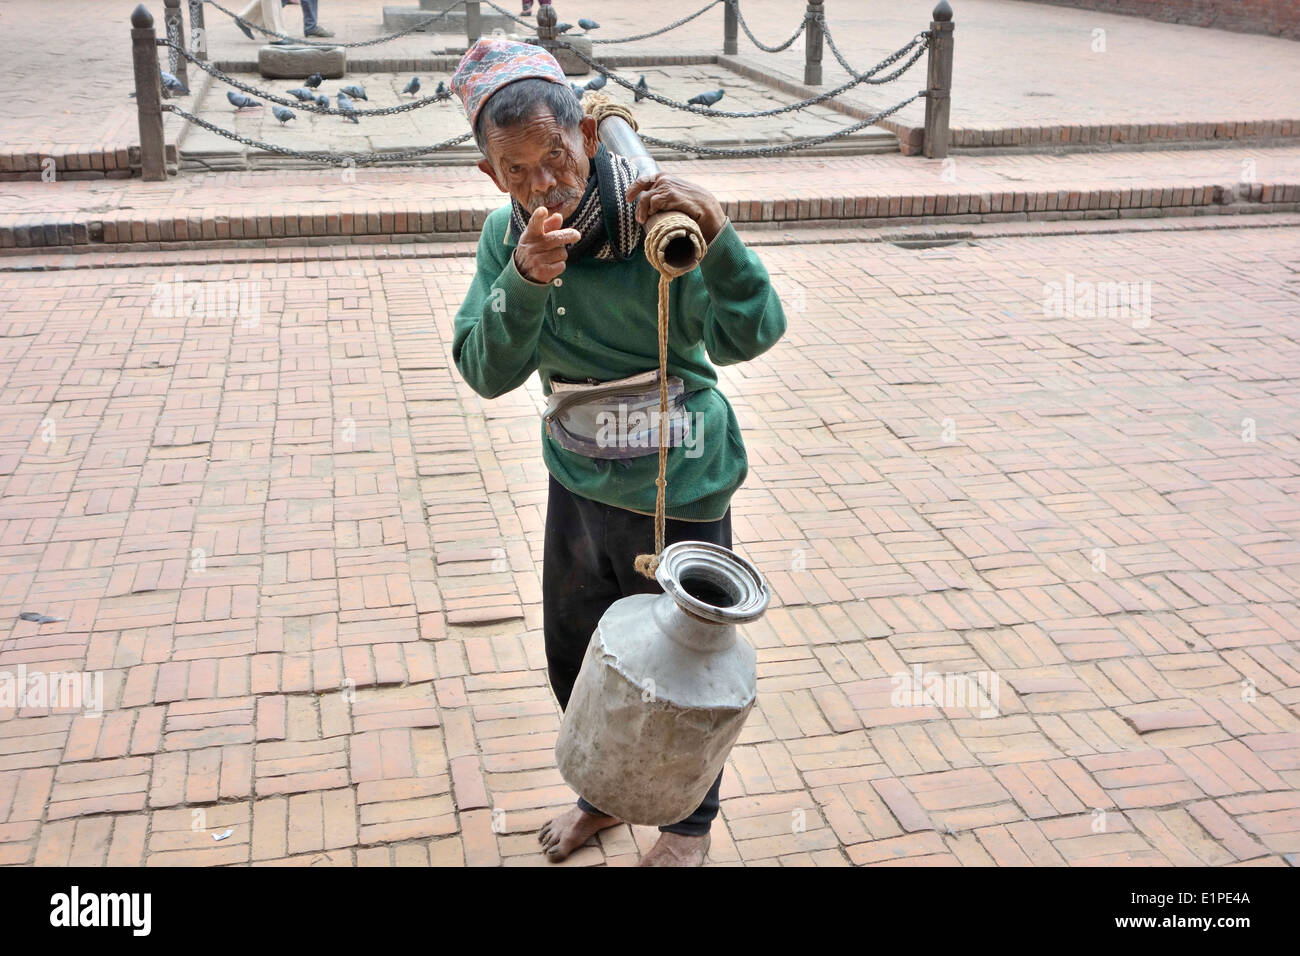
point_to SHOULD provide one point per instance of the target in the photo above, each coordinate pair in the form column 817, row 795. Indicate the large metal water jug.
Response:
column 665, row 688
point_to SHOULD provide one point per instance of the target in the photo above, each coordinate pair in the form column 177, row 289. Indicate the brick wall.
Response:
column 1279, row 18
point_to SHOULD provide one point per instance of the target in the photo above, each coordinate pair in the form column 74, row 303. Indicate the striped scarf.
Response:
column 602, row 213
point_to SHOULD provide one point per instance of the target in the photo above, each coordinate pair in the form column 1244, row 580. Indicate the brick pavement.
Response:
column 1017, row 66
column 305, row 559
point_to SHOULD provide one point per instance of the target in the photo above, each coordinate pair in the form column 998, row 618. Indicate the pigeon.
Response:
column 282, row 114
column 303, row 95
column 442, row 92
column 323, row 101
column 588, row 24
column 38, row 618
column 313, row 81
column 640, row 90
column 239, row 22
column 563, row 27
column 172, row 84
column 413, row 87
column 348, row 107
column 706, row 99
column 239, row 101
column 596, row 82
column 356, row 90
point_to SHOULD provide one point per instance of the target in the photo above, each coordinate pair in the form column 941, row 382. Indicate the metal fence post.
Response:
column 938, row 84
column 812, row 60
column 175, row 34
column 148, row 95
column 198, row 34
column 473, row 21
column 730, row 45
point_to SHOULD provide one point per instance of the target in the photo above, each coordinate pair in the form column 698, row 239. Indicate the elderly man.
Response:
column 563, row 288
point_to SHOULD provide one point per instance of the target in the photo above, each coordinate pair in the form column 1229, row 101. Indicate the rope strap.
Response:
column 661, row 230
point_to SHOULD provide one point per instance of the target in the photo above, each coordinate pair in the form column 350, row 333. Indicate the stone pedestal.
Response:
column 290, row 62
column 571, row 65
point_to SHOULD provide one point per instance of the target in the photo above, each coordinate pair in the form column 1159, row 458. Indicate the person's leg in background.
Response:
column 578, row 586
column 263, row 13
column 310, row 25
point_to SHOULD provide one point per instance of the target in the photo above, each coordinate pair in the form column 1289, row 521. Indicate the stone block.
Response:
column 292, row 62
column 570, row 63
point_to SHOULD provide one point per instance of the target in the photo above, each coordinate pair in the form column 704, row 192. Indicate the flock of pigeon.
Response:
column 310, row 92
column 583, row 22
column 707, row 98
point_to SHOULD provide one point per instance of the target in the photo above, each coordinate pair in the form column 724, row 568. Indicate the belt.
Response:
column 618, row 419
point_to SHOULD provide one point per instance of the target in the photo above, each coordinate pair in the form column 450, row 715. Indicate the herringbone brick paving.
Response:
column 305, row 558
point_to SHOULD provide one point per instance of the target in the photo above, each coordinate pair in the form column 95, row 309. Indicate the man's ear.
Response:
column 488, row 170
column 589, row 140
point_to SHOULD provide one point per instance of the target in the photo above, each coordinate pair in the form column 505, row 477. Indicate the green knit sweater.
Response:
column 599, row 320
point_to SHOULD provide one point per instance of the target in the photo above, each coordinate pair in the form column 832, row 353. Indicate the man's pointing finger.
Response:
column 560, row 237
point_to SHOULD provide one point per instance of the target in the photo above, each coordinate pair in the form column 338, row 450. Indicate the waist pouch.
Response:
column 618, row 419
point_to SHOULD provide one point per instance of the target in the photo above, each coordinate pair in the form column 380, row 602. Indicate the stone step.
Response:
column 434, row 220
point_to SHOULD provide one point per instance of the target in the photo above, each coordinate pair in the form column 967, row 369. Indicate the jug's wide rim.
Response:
column 721, row 566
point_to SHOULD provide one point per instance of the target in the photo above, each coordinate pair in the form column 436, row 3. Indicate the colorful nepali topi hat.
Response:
column 492, row 63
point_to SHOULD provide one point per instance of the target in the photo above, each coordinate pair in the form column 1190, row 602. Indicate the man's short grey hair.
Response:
column 517, row 103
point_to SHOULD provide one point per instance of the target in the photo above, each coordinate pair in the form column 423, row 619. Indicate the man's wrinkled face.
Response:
column 540, row 163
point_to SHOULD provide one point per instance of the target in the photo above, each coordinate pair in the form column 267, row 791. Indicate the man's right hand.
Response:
column 540, row 255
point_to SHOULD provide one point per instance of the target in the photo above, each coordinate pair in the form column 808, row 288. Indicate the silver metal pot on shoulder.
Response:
column 665, row 688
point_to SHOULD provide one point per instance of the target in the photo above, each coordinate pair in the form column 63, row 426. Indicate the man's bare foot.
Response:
column 674, row 849
column 571, row 830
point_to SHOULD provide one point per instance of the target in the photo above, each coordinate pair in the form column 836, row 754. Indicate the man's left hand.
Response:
column 664, row 193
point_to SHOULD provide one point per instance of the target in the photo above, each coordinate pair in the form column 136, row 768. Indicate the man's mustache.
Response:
column 554, row 199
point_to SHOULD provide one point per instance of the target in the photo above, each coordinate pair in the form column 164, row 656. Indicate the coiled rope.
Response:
column 662, row 230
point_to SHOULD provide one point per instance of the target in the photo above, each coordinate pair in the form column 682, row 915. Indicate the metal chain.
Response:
column 172, row 22
column 766, row 49
column 312, row 108
column 334, row 159
column 654, row 33
column 361, row 159
column 920, row 41
column 830, row 41
column 297, row 42
column 784, row 147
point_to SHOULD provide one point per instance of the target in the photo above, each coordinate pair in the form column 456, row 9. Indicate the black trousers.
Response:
column 586, row 567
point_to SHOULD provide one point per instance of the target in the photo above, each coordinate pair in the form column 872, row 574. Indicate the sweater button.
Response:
column 559, row 281
column 560, row 311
